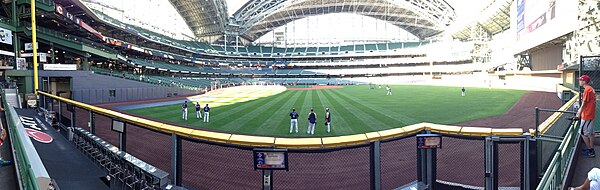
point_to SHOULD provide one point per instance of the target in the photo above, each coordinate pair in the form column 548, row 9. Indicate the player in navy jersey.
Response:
column 184, row 110
column 312, row 120
column 206, row 110
column 328, row 119
column 198, row 112
column 294, row 122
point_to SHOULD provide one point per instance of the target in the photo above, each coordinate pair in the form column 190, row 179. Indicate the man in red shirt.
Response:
column 587, row 113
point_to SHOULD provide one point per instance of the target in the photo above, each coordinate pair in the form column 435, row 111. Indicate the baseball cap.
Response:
column 584, row 78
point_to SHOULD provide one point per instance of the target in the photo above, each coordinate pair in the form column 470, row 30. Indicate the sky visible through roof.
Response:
column 339, row 28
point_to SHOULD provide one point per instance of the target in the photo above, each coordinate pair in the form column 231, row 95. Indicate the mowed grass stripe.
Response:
column 361, row 120
column 297, row 105
column 385, row 116
column 280, row 115
column 338, row 123
column 250, row 118
column 376, row 119
column 355, row 109
column 382, row 105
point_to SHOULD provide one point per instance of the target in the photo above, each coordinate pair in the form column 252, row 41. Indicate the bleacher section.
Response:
column 256, row 51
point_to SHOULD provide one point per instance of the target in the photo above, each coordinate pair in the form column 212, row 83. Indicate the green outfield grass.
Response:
column 354, row 109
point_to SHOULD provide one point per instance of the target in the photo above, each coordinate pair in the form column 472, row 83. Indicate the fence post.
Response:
column 92, row 122
column 375, row 165
column 532, row 164
column 491, row 163
column 59, row 111
column 560, row 167
column 72, row 116
column 176, row 157
column 537, row 120
column 123, row 138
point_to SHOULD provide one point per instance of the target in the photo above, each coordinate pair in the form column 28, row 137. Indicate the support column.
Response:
column 85, row 64
column 176, row 160
column 15, row 23
column 375, row 165
column 52, row 55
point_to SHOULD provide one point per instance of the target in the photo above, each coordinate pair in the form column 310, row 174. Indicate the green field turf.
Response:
column 354, row 109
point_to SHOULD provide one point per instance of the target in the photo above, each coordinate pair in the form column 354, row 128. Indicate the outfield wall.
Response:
column 520, row 82
column 93, row 88
column 215, row 160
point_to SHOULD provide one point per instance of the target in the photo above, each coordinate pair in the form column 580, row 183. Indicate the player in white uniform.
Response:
column 389, row 90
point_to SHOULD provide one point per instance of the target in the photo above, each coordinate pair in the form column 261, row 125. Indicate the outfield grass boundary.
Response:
column 308, row 143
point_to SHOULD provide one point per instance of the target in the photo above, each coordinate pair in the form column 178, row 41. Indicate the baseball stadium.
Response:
column 299, row 94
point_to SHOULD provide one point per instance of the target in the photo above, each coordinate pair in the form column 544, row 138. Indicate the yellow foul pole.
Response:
column 34, row 45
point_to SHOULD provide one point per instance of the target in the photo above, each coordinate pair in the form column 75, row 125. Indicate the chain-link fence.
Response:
column 398, row 163
column 150, row 146
column 210, row 165
column 590, row 65
column 510, row 165
column 461, row 154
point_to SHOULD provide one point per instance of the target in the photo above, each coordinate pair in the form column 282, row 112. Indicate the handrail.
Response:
column 304, row 143
column 31, row 169
column 552, row 178
column 554, row 174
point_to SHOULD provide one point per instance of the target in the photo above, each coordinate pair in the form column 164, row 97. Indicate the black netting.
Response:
column 82, row 118
column 341, row 169
column 509, row 165
column 207, row 166
column 104, row 131
column 461, row 161
column 398, row 163
column 152, row 147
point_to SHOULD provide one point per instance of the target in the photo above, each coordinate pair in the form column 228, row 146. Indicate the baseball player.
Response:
column 389, row 90
column 184, row 110
column 312, row 120
column 206, row 111
column 2, row 138
column 198, row 112
column 463, row 91
column 294, row 122
column 328, row 120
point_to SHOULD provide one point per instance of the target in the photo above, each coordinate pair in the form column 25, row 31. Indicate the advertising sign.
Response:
column 270, row 159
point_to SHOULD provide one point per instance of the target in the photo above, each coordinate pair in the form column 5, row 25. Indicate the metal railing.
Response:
column 31, row 170
column 552, row 127
column 553, row 177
